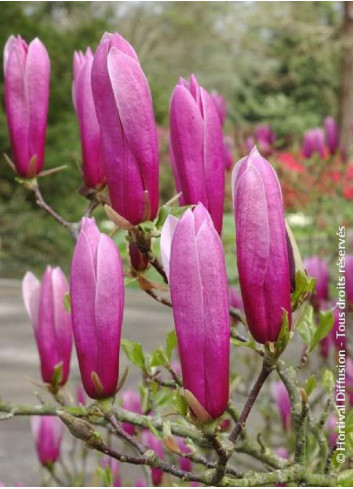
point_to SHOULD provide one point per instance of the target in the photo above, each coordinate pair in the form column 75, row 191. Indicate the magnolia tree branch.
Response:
column 219, row 471
column 72, row 227
column 266, row 369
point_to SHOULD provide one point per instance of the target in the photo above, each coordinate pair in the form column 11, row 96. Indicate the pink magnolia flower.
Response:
column 131, row 401
column 281, row 398
column 97, row 302
column 92, row 157
column 261, row 245
column 124, row 109
column 27, row 73
column 194, row 261
column 47, row 432
column 196, row 148
column 45, row 305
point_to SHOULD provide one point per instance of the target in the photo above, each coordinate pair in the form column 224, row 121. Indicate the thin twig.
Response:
column 157, row 298
column 266, row 369
column 71, row 226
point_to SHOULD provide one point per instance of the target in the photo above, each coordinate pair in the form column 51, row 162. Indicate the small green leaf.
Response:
column 306, row 324
column 134, row 352
column 67, row 302
column 249, row 344
column 326, row 321
column 310, row 384
column 328, row 381
column 57, row 375
column 105, row 475
column 167, row 210
column 284, row 335
column 345, row 478
column 158, row 358
column 304, row 285
column 172, row 343
column 180, row 404
column 147, row 227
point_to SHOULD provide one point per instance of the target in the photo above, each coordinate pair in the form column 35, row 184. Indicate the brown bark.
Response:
column 346, row 92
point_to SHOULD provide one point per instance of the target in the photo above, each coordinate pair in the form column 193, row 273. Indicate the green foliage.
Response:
column 106, row 476
column 304, row 285
column 310, row 384
column 313, row 332
column 345, row 478
column 328, row 381
column 134, row 353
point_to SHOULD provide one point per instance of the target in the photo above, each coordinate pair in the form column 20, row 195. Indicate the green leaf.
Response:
column 328, row 381
column 67, row 302
column 180, row 404
column 167, row 210
column 345, row 478
column 172, row 343
column 249, row 344
column 163, row 397
column 310, row 384
column 57, row 375
column 147, row 227
column 284, row 335
column 306, row 324
column 105, row 475
column 134, row 353
column 326, row 321
column 304, row 285
column 159, row 358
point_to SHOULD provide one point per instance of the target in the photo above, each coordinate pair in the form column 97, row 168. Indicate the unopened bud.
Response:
column 79, row 428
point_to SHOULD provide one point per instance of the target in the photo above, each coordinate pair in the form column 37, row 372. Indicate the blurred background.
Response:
column 276, row 63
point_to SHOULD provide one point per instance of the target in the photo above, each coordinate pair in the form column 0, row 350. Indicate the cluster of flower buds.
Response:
column 264, row 137
column 321, row 141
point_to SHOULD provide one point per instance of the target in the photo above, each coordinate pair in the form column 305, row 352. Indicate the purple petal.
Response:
column 109, row 306
column 213, row 160
column 134, row 104
column 36, row 81
column 31, row 296
column 166, row 240
column 187, row 139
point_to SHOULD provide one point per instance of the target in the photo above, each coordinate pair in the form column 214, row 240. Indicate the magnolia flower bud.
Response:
column 45, row 304
column 47, row 433
column 194, row 261
column 124, row 109
column 92, row 157
column 196, row 148
column 97, row 301
column 261, row 245
column 27, row 73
